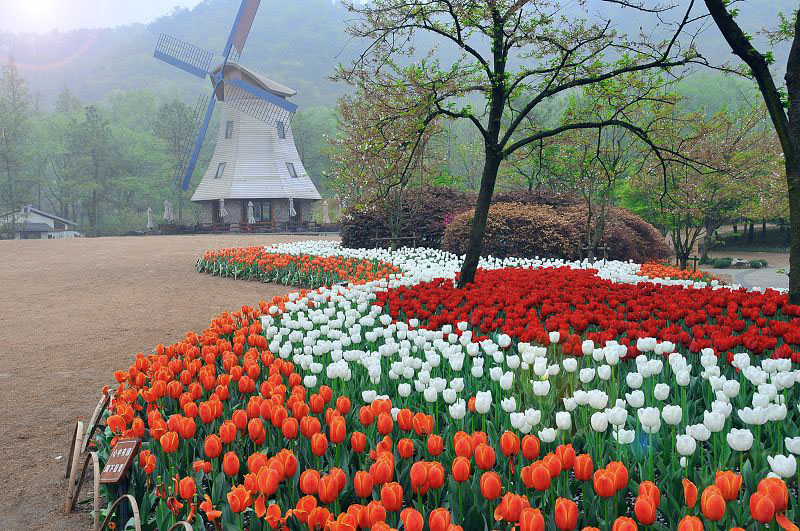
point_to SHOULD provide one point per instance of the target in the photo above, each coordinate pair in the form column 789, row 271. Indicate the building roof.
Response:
column 41, row 213
column 236, row 70
column 34, row 227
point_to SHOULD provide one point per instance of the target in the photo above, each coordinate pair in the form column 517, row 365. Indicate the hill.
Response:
column 297, row 43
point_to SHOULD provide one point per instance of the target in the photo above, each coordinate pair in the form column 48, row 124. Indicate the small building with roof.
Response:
column 254, row 162
column 33, row 224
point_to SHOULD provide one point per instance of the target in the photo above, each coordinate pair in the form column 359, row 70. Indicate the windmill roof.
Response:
column 262, row 81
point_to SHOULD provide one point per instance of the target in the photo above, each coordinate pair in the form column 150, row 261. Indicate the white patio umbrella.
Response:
column 150, row 224
column 169, row 215
column 251, row 218
column 292, row 211
column 326, row 218
column 223, row 214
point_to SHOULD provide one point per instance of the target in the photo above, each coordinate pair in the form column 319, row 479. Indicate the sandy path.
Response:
column 72, row 312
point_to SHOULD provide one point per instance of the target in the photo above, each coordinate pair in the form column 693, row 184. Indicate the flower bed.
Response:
column 544, row 398
column 657, row 270
column 258, row 263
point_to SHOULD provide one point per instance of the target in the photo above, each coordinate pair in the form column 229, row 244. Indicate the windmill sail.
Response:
column 247, row 12
column 183, row 55
column 257, row 102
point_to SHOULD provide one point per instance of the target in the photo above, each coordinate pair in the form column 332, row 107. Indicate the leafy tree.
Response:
column 15, row 110
column 515, row 55
column 783, row 105
column 385, row 130
column 174, row 127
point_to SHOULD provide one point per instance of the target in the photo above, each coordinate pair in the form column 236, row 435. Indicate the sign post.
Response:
column 115, row 472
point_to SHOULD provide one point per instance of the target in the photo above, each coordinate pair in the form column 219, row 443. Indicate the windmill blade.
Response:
column 241, row 27
column 198, row 144
column 187, row 141
column 258, row 103
column 183, row 55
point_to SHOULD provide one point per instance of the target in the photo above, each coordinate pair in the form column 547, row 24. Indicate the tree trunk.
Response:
column 93, row 219
column 735, row 229
column 763, row 229
column 751, row 231
column 708, row 239
column 793, row 180
column 475, row 243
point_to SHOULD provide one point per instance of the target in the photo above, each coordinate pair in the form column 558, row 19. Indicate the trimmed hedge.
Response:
column 529, row 230
column 426, row 211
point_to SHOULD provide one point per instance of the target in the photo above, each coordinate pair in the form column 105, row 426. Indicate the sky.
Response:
column 44, row 15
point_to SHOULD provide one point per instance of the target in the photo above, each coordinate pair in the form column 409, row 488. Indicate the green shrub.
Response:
column 722, row 263
column 755, row 264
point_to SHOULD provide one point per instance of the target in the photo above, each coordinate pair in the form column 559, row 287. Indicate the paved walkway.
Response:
column 767, row 277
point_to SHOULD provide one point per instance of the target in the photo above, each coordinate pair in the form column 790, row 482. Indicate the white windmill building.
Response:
column 254, row 162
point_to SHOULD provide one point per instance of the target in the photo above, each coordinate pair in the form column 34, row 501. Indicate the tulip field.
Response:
column 548, row 395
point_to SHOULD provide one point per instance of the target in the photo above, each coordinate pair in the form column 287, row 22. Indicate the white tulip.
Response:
column 541, row 388
column 650, row 419
column 617, row 415
column 635, row 399
column 604, row 372
column 624, row 436
column 731, row 388
column 509, row 404
column 587, row 347
column 570, row 364
column 792, row 444
column 661, row 391
column 782, row 465
column 507, row 381
column 586, row 375
column 563, row 420
column 597, row 399
column 599, row 421
column 683, row 377
column 634, row 380
column 686, row 445
column 449, row 395
column 713, row 421
column 699, row 432
column 430, row 395
column 672, row 414
column 310, row 381
column 483, row 402
column 777, row 412
column 569, row 403
column 740, row 440
column 547, row 435
column 458, row 410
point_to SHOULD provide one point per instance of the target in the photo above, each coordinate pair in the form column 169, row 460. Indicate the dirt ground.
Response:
column 72, row 312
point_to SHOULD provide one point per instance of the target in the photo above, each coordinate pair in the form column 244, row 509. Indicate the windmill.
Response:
column 241, row 95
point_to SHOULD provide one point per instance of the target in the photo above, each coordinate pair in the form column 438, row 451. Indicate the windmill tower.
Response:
column 255, row 166
column 254, row 161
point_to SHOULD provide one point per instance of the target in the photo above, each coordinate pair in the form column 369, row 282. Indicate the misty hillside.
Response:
column 296, row 42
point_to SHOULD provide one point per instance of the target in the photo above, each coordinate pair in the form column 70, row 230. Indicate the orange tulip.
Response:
column 435, row 445
column 423, row 424
column 583, row 467
column 762, row 509
column 439, row 520
column 530, row 447
column 304, row 506
column 212, row 447
column 566, row 513
column 385, row 423
column 239, row 418
column 690, row 523
column 484, row 456
column 553, row 464
column 267, row 480
column 491, row 485
column 603, row 482
column 648, row 488
column 620, row 474
column 169, row 442
column 358, row 442
column 510, row 507
column 509, row 444
column 392, row 496
column 689, row 493
column 461, row 469
column 327, row 489
column 230, row 464
column 343, row 405
column 405, row 448
column 539, row 476
column 362, row 484
column 776, row 490
column 626, row 524
column 309, row 481
column 373, row 514
column 405, row 418
column 712, row 504
column 412, row 519
column 435, row 475
column 227, row 432
column 365, row 416
column 319, row 444
column 290, row 428
column 187, row 488
column 338, row 430
column 319, row 519
column 462, row 445
column 644, row 509
column 531, row 520
column 419, row 476
column 239, row 499
column 566, row 454
column 729, row 484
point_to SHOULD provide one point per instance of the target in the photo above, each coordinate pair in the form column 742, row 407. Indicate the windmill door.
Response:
column 215, row 212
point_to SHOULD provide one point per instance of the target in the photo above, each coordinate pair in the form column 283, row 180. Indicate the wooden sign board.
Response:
column 120, row 460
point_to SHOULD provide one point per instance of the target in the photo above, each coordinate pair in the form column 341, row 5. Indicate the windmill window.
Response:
column 229, row 130
column 220, row 170
column 291, row 169
column 281, row 130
